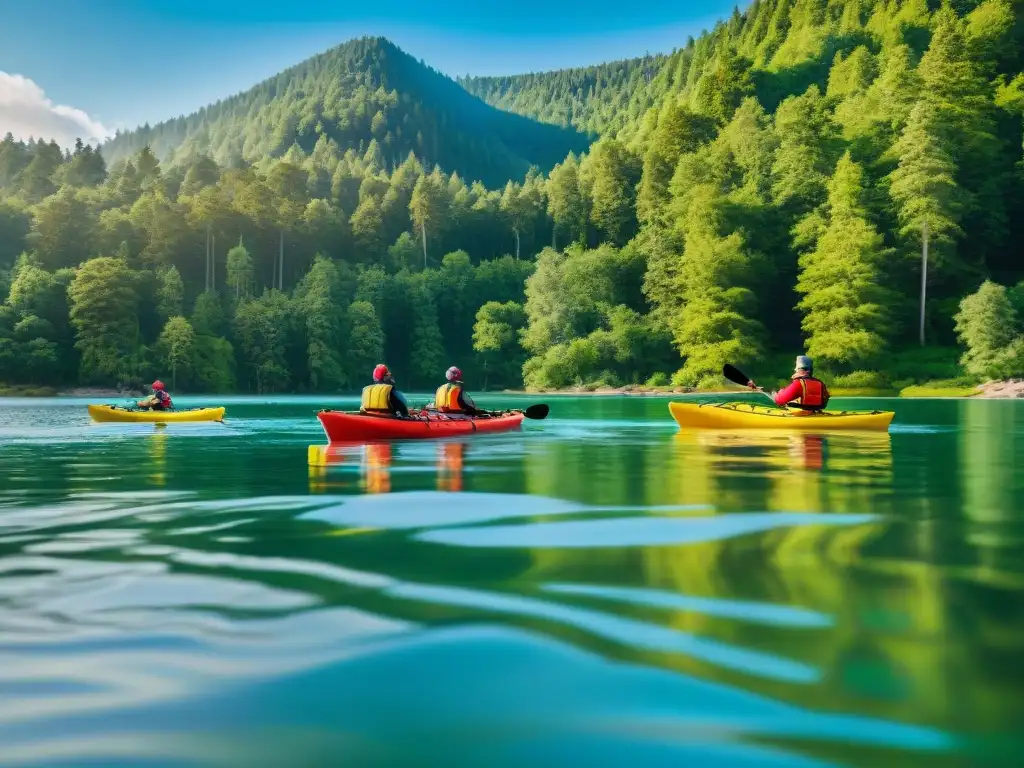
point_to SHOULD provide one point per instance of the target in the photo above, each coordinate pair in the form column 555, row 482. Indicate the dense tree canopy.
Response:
column 763, row 189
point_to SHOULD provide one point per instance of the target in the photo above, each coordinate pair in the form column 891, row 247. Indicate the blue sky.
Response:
column 92, row 66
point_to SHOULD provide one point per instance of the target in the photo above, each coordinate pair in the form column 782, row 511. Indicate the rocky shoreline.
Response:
column 635, row 391
column 1004, row 390
column 1011, row 388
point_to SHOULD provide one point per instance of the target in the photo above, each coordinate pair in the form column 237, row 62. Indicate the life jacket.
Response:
column 813, row 395
column 163, row 401
column 446, row 399
column 376, row 397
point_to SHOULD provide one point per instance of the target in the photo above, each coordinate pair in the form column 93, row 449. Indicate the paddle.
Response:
column 735, row 375
column 538, row 411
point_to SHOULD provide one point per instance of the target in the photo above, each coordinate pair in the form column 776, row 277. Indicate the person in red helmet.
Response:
column 804, row 391
column 451, row 397
column 160, row 400
column 382, row 396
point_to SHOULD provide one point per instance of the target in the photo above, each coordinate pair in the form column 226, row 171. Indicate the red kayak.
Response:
column 348, row 426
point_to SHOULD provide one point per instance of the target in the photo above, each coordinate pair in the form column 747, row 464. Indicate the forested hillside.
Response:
column 773, row 200
column 363, row 92
column 601, row 99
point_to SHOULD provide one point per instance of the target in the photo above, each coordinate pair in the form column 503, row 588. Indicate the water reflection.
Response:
column 374, row 462
column 158, row 457
column 450, row 459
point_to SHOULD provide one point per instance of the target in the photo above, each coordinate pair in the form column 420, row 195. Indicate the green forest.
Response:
column 762, row 191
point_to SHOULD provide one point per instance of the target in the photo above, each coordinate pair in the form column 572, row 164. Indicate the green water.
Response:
column 598, row 589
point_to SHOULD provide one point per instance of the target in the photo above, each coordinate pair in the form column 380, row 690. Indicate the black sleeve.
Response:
column 467, row 404
column 398, row 403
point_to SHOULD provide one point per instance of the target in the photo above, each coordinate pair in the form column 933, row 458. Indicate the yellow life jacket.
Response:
column 376, row 397
column 446, row 399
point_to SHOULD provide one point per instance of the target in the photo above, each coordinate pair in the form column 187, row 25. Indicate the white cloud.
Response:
column 26, row 112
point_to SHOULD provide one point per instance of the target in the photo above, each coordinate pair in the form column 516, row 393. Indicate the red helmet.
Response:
column 381, row 372
column 453, row 374
column 158, row 384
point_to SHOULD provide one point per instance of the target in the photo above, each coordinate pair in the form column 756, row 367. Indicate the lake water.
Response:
column 599, row 589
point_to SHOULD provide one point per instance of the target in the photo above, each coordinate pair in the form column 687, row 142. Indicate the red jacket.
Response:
column 806, row 392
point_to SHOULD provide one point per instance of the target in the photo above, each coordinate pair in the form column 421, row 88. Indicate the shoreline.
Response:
column 1009, row 389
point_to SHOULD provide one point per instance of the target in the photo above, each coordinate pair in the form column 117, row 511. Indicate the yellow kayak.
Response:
column 749, row 416
column 114, row 413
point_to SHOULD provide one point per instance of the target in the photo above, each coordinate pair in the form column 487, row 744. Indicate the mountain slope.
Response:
column 598, row 99
column 363, row 91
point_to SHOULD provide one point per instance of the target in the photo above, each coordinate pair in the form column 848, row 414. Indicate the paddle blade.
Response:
column 538, row 411
column 735, row 375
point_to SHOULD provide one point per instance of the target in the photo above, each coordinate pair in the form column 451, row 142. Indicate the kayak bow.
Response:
column 343, row 426
column 108, row 413
column 740, row 415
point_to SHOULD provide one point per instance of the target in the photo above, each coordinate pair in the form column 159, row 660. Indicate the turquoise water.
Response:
column 597, row 589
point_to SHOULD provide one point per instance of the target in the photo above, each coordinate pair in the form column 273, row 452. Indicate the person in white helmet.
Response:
column 451, row 396
column 804, row 391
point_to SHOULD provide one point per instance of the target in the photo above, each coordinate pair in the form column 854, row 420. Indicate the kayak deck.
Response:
column 739, row 415
column 349, row 426
column 113, row 413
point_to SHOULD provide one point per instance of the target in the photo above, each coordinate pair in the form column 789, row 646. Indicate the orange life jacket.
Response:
column 814, row 394
column 446, row 399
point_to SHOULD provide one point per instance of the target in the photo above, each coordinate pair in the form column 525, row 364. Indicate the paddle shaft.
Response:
column 735, row 375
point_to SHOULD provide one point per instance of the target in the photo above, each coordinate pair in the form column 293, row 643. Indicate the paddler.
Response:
column 382, row 396
column 804, row 391
column 451, row 396
column 160, row 400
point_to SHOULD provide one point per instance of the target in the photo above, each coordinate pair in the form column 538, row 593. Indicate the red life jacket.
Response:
column 813, row 395
column 164, row 399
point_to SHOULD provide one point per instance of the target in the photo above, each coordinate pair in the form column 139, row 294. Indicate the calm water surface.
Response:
column 599, row 589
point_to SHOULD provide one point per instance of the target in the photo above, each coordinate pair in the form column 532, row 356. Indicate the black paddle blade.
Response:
column 734, row 374
column 538, row 411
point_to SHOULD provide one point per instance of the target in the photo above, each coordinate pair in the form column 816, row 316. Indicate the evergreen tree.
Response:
column 365, row 340
column 717, row 321
column 103, row 313
column 241, row 277
column 61, row 230
column 566, row 204
column 615, row 174
column 496, row 338
column 808, row 145
column 845, row 301
column 988, row 326
column 170, row 293
column 177, row 347
column 321, row 306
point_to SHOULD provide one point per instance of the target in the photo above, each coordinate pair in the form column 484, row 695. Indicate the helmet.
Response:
column 453, row 374
column 803, row 362
column 158, row 384
column 381, row 372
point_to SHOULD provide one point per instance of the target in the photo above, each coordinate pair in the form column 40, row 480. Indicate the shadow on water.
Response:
column 649, row 596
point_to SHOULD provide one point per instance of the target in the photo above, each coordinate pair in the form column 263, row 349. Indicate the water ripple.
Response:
column 633, row 531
